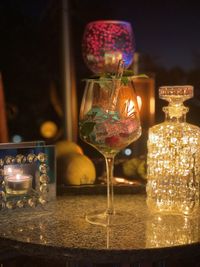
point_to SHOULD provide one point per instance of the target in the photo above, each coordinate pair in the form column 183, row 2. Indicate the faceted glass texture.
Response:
column 173, row 161
column 107, row 42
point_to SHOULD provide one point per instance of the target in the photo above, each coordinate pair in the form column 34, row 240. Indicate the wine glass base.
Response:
column 97, row 218
column 102, row 218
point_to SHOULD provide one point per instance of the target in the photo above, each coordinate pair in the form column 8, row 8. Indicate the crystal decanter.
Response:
column 173, row 160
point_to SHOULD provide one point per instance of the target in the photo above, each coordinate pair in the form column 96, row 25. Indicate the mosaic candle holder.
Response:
column 27, row 175
column 105, row 43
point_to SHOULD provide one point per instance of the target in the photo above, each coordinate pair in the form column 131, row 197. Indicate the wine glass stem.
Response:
column 109, row 172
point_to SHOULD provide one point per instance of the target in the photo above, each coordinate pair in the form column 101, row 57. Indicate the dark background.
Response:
column 167, row 39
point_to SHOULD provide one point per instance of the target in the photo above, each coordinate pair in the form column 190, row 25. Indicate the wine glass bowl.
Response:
column 109, row 121
column 105, row 43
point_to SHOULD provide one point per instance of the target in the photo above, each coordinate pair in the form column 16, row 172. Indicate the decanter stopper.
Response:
column 176, row 94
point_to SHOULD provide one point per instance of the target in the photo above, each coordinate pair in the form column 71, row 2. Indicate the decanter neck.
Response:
column 175, row 112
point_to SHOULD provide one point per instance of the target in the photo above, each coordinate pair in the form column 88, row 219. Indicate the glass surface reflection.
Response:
column 171, row 230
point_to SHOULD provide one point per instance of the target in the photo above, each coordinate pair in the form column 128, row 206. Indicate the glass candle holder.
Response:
column 19, row 184
column 12, row 170
column 105, row 42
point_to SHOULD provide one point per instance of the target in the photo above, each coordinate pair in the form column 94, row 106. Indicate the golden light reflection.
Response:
column 152, row 105
column 145, row 90
column 120, row 180
column 112, row 57
column 169, row 230
column 139, row 101
column 130, row 108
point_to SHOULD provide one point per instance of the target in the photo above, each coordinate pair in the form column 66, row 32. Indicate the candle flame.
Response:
column 139, row 101
column 18, row 176
column 152, row 105
column 9, row 170
column 129, row 108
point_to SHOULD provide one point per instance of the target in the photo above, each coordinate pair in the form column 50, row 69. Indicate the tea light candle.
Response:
column 18, row 184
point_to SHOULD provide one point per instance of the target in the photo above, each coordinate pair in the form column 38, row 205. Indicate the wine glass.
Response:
column 109, row 121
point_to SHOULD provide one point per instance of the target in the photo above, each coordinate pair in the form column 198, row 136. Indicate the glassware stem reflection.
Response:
column 110, row 194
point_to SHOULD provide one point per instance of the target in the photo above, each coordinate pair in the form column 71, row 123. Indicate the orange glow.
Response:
column 48, row 129
column 145, row 91
column 152, row 105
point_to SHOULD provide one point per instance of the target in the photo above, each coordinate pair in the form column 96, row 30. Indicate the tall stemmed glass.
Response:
column 109, row 121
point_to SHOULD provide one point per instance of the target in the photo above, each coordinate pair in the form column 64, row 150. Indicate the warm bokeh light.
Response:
column 48, row 129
